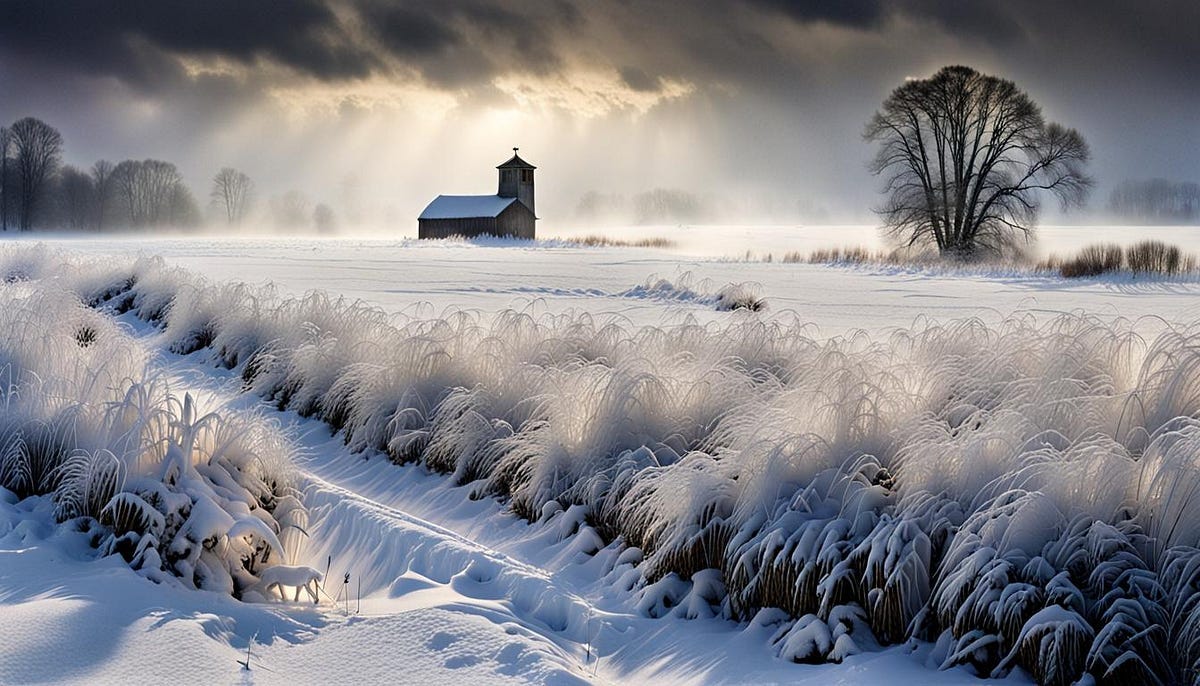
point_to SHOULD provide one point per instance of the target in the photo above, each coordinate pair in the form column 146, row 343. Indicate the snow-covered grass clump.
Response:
column 202, row 498
column 1025, row 494
column 686, row 288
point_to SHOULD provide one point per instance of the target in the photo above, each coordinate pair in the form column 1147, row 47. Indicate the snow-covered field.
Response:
column 399, row 274
column 640, row 408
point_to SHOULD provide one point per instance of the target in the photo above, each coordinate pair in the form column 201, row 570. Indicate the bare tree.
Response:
column 5, row 180
column 232, row 192
column 352, row 198
column 152, row 193
column 596, row 206
column 104, row 186
column 965, row 156
column 292, row 210
column 76, row 197
column 128, row 190
column 324, row 219
column 37, row 149
column 1156, row 200
column 663, row 205
column 162, row 180
column 183, row 210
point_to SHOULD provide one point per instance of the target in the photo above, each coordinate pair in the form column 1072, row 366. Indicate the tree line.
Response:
column 655, row 206
column 1156, row 200
column 37, row 190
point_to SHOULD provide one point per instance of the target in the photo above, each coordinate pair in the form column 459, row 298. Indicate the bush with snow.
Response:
column 686, row 288
column 203, row 499
column 1025, row 493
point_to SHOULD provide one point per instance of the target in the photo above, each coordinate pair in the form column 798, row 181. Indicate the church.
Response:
column 507, row 213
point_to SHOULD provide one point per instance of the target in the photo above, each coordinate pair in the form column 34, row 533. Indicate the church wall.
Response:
column 445, row 228
column 516, row 220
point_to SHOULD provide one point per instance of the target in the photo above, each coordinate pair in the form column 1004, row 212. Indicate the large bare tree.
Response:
column 232, row 192
column 965, row 158
column 37, row 150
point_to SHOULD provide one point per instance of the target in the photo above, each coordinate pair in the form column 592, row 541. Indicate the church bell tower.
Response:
column 516, row 181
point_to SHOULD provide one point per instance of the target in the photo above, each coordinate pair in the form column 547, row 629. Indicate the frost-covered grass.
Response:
column 85, row 419
column 601, row 241
column 687, row 288
column 1148, row 259
column 1025, row 494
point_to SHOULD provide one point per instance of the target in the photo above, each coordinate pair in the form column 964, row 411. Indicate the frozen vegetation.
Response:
column 1022, row 493
column 204, row 499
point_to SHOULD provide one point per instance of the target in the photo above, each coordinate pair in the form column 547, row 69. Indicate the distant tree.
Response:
column 1156, row 200
column 232, row 193
column 163, row 197
column 5, row 176
column 292, row 210
column 152, row 193
column 964, row 157
column 37, row 151
column 323, row 218
column 104, row 187
column 594, row 206
column 128, row 191
column 76, row 198
column 183, row 210
column 663, row 205
column 352, row 198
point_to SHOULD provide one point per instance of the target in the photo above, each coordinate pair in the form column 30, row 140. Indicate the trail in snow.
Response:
column 416, row 542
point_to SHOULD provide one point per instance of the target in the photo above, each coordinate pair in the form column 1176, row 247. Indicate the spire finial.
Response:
column 515, row 150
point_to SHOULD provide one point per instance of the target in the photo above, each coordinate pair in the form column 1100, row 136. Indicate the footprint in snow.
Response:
column 441, row 640
column 460, row 661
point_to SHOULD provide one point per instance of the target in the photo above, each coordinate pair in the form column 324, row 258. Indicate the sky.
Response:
column 376, row 106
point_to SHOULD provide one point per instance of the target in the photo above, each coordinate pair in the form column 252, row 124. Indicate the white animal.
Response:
column 298, row 577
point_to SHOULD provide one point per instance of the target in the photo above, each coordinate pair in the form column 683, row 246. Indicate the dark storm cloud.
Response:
column 452, row 42
column 637, row 79
column 127, row 39
column 462, row 43
column 457, row 43
column 785, row 84
column 856, row 13
column 408, row 32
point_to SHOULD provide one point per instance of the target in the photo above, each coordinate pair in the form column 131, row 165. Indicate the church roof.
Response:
column 466, row 207
column 516, row 163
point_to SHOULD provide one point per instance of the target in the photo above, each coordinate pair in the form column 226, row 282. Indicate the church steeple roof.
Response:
column 516, row 162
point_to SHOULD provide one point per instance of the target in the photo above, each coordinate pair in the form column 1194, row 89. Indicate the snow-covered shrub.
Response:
column 686, row 288
column 203, row 498
column 740, row 296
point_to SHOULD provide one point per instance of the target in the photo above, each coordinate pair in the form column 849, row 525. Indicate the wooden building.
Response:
column 507, row 213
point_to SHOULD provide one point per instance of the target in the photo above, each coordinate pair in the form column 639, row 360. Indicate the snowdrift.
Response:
column 205, row 500
column 1023, row 494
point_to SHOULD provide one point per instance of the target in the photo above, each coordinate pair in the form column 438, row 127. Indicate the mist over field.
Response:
column 755, row 110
